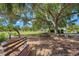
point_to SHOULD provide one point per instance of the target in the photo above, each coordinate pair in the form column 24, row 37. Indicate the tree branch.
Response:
column 69, row 14
column 61, row 11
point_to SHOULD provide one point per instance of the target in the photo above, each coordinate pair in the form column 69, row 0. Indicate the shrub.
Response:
column 2, row 37
column 14, row 34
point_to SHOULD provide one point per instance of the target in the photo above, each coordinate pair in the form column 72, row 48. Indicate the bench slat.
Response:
column 16, row 47
column 12, row 42
column 12, row 45
column 9, row 43
column 25, row 51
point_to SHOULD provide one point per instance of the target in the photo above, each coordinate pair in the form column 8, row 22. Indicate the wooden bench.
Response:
column 16, row 45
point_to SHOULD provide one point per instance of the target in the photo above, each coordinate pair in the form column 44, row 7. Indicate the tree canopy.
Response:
column 53, row 15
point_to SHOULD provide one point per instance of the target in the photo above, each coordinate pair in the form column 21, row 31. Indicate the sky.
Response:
column 21, row 23
column 75, row 17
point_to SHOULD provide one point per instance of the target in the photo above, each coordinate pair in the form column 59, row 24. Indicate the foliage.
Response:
column 2, row 37
column 73, row 28
column 14, row 34
column 55, row 13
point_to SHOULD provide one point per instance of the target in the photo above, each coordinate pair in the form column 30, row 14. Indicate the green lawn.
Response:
column 31, row 32
column 23, row 32
column 4, row 35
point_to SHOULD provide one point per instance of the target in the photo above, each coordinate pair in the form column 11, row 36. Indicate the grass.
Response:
column 4, row 35
column 27, row 33
column 31, row 32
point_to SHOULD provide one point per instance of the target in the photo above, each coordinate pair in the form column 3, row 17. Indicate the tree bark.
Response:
column 9, row 34
column 56, row 29
column 17, row 32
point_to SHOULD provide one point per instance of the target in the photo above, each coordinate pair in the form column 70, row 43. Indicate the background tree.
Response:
column 55, row 13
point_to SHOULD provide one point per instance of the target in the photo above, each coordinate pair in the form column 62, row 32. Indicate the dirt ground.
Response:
column 54, row 46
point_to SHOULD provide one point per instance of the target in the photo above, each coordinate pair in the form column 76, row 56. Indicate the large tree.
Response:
column 56, row 13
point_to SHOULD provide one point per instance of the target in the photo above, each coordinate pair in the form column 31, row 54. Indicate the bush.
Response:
column 14, row 34
column 2, row 37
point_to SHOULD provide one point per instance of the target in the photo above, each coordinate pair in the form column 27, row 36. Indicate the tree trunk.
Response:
column 9, row 34
column 17, row 32
column 56, row 29
column 49, row 27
